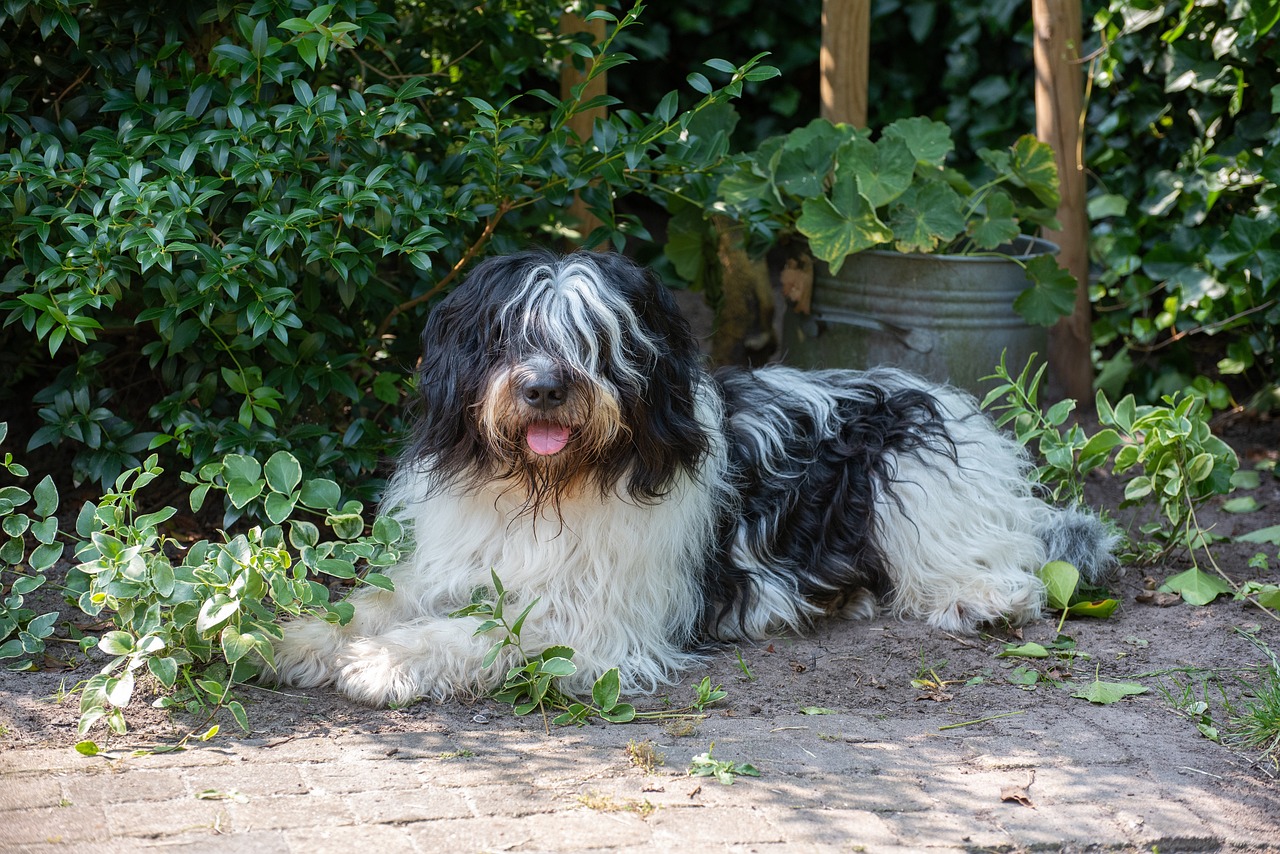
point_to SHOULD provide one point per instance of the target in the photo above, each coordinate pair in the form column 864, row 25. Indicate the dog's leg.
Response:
column 433, row 657
column 962, row 537
column 307, row 654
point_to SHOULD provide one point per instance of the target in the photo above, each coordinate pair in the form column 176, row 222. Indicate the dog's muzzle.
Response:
column 545, row 392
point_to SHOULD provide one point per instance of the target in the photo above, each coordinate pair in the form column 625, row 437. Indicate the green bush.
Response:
column 192, row 619
column 224, row 223
column 1184, row 142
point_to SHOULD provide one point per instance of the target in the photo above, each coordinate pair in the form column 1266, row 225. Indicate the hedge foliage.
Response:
column 1184, row 147
column 224, row 222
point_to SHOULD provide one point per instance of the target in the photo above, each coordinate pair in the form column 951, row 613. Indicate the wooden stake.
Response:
column 1059, row 96
column 583, row 122
column 844, row 60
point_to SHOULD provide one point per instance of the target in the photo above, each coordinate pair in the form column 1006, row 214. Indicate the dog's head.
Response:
column 553, row 374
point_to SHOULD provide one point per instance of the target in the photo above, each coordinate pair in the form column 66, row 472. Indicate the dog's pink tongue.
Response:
column 546, row 439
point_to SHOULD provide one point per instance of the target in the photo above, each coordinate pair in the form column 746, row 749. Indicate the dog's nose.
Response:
column 543, row 392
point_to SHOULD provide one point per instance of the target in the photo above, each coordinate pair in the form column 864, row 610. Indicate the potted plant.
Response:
column 916, row 265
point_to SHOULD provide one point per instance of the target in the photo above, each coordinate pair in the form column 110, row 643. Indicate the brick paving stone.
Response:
column 384, row 839
column 513, row 800
column 576, row 830
column 1084, row 823
column 25, row 790
column 198, row 756
column 287, row 812
column 254, row 842
column 361, row 775
column 41, row 759
column 870, row 794
column 255, row 779
column 942, row 829
column 125, row 786
column 79, row 847
column 62, row 825
column 728, row 825
column 424, row 803
column 165, row 818
column 847, row 829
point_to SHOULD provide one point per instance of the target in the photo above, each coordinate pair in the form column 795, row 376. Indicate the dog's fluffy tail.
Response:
column 1080, row 538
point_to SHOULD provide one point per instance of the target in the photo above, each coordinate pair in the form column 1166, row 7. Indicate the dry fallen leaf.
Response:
column 937, row 697
column 1160, row 600
column 1018, row 794
column 797, row 282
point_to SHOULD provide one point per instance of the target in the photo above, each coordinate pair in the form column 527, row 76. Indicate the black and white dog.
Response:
column 570, row 440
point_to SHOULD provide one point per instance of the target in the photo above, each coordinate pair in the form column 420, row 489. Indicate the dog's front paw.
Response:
column 305, row 656
column 379, row 674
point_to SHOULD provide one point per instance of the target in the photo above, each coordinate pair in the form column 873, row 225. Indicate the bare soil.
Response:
column 883, row 676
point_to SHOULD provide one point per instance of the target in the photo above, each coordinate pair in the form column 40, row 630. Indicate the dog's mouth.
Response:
column 546, row 439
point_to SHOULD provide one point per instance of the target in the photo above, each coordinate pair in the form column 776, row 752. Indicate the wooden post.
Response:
column 844, row 60
column 583, row 122
column 1059, row 95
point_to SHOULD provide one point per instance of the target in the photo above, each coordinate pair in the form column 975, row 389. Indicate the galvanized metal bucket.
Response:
column 947, row 317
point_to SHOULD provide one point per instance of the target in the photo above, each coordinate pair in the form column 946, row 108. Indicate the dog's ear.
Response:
column 666, row 434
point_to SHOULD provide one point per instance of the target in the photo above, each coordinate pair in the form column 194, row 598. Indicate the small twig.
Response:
column 57, row 101
column 1198, row 771
column 979, row 721
column 962, row 641
column 466, row 258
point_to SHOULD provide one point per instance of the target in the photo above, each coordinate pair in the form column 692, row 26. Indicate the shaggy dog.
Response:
column 570, row 440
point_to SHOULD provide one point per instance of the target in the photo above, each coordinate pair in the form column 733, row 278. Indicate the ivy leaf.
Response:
column 1106, row 693
column 216, row 610
column 1268, row 595
column 1052, row 294
column 997, row 225
column 241, row 467
column 841, row 225
column 560, row 667
column 805, row 159
column 320, row 494
column 882, row 170
column 929, row 141
column 1026, row 650
column 235, row 645
column 377, row 579
column 1032, row 162
column 622, row 713
column 1269, row 535
column 278, row 507
column 46, row 495
column 924, row 216
column 1060, row 579
column 241, row 492
column 1251, row 240
column 1097, row 608
column 606, row 689
column 283, row 472
column 1196, row 586
column 1023, row 675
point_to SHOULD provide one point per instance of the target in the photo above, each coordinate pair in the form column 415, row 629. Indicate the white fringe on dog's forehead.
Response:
column 591, row 323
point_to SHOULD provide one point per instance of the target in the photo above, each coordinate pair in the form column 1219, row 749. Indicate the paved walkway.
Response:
column 849, row 782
